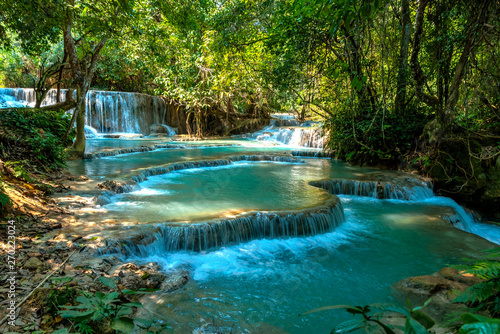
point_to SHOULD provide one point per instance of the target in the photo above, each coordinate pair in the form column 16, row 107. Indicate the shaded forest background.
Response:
column 401, row 84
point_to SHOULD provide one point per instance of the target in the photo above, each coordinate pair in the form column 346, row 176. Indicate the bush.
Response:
column 33, row 135
column 369, row 138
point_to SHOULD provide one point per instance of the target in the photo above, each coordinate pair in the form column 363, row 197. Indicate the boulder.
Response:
column 134, row 277
column 162, row 129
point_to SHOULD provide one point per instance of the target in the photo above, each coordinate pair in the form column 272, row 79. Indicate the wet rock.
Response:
column 104, row 198
column 441, row 287
column 133, row 277
column 117, row 186
column 175, row 281
column 430, row 285
column 33, row 263
column 457, row 276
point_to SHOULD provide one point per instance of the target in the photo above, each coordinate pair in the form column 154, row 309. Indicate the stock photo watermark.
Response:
column 11, row 304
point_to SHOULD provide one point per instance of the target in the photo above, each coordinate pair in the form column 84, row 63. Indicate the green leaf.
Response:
column 480, row 328
column 387, row 329
column 123, row 324
column 348, row 326
column 133, row 304
column 413, row 327
column 470, row 318
column 109, row 282
column 111, row 296
column 423, row 319
column 77, row 315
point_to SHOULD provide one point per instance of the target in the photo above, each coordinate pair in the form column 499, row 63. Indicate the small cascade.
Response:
column 284, row 122
column 139, row 149
column 313, row 154
column 206, row 236
column 375, row 189
column 466, row 222
column 91, row 133
column 143, row 175
column 292, row 136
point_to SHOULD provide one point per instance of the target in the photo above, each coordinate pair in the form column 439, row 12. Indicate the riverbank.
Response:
column 52, row 265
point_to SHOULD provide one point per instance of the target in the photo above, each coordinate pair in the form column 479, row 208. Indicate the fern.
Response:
column 485, row 295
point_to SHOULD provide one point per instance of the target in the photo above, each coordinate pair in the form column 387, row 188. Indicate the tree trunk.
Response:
column 399, row 103
column 82, row 80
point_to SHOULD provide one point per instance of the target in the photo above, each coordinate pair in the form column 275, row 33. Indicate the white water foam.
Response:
column 260, row 259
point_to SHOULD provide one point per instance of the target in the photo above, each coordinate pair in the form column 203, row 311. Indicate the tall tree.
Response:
column 400, row 100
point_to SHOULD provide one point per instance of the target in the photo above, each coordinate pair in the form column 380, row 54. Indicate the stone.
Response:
column 431, row 285
column 175, row 281
column 104, row 198
column 457, row 276
column 133, row 277
column 161, row 129
column 33, row 263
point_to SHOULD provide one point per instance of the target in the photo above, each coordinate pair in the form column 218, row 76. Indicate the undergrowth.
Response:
column 374, row 138
column 33, row 137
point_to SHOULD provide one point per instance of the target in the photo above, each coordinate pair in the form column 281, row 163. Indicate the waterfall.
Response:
column 292, row 136
column 375, row 189
column 110, row 112
column 26, row 97
column 107, row 112
column 215, row 234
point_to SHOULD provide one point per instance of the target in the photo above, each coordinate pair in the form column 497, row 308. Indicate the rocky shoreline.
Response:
column 49, row 258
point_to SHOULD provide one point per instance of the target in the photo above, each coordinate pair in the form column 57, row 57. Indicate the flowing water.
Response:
column 260, row 284
column 257, row 225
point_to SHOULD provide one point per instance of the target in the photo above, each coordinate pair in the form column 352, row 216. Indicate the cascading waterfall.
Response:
column 19, row 97
column 466, row 222
column 383, row 190
column 375, row 189
column 123, row 112
column 106, row 112
column 292, row 136
column 222, row 233
column 312, row 154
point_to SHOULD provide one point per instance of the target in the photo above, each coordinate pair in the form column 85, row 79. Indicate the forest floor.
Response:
column 50, row 265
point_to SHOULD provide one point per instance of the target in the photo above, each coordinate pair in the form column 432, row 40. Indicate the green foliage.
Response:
column 60, row 293
column 5, row 200
column 484, row 296
column 371, row 139
column 99, row 308
column 372, row 322
column 20, row 171
column 33, row 136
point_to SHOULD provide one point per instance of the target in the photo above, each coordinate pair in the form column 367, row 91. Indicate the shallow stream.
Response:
column 262, row 285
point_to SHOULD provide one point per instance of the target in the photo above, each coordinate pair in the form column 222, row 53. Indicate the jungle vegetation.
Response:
column 401, row 83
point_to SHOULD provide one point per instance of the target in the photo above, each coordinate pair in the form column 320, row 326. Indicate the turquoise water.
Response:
column 261, row 286
column 112, row 167
column 206, row 193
